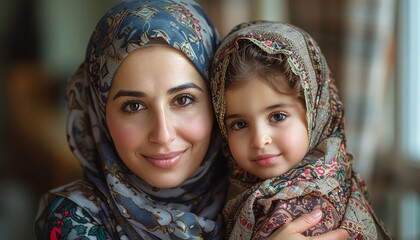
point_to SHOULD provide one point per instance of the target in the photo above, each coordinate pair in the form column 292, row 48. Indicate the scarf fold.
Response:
column 115, row 197
column 324, row 179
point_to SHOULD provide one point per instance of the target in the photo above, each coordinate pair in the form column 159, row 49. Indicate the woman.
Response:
column 141, row 125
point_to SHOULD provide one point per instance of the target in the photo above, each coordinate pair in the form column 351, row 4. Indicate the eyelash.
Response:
column 283, row 115
column 128, row 103
column 190, row 98
column 234, row 125
column 185, row 95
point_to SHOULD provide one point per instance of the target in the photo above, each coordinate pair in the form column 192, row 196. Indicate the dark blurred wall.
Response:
column 325, row 21
column 41, row 44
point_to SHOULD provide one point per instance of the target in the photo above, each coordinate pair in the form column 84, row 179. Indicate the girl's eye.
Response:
column 278, row 117
column 184, row 100
column 238, row 125
column 132, row 107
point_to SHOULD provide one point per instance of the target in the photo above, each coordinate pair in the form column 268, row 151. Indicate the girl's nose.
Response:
column 260, row 138
column 162, row 131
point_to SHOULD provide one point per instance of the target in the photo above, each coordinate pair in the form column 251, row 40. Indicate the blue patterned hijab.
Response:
column 111, row 193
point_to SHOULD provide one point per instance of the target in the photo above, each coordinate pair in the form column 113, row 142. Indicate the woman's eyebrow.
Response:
column 183, row 87
column 126, row 93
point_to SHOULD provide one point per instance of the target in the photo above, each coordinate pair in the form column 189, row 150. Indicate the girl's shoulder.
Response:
column 64, row 219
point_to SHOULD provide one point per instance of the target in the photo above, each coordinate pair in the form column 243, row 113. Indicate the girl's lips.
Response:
column 164, row 161
column 266, row 160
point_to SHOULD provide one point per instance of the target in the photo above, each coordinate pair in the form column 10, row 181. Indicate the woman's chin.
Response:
column 166, row 182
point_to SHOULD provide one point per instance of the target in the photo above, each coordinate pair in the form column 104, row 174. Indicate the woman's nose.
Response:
column 260, row 138
column 162, row 131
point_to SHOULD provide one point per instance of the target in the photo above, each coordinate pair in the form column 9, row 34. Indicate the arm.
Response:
column 293, row 230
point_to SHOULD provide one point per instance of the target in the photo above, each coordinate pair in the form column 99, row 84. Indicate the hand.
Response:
column 293, row 229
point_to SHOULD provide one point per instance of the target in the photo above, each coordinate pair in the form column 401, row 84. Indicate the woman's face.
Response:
column 159, row 115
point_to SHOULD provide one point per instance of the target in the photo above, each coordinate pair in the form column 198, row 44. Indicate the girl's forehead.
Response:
column 304, row 58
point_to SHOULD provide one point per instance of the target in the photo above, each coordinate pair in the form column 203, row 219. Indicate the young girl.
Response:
column 279, row 109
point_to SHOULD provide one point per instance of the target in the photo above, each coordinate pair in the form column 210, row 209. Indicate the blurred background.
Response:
column 371, row 47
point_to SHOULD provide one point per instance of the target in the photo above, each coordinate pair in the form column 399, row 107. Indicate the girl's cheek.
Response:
column 297, row 141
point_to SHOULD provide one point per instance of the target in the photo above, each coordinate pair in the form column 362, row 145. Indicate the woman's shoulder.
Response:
column 64, row 219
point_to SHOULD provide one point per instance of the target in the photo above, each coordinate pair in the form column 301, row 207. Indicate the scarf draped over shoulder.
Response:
column 112, row 195
column 324, row 179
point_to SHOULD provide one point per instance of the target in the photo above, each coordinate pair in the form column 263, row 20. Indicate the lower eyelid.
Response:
column 124, row 106
column 191, row 97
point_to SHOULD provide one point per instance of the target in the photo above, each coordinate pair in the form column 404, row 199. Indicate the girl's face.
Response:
column 267, row 130
column 159, row 115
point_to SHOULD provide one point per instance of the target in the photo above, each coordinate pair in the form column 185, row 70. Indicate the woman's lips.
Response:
column 266, row 160
column 165, row 160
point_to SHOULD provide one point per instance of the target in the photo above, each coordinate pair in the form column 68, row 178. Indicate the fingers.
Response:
column 293, row 229
column 305, row 221
column 339, row 234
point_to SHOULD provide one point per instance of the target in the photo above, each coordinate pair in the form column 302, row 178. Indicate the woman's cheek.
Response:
column 198, row 127
column 123, row 135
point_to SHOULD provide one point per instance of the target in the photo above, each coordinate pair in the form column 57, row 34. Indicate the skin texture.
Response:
column 267, row 130
column 159, row 115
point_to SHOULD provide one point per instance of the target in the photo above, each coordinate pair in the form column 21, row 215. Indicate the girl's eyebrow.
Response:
column 269, row 108
column 127, row 93
column 233, row 116
column 280, row 105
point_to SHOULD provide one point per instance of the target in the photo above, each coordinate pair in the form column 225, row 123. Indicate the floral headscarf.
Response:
column 324, row 178
column 115, row 197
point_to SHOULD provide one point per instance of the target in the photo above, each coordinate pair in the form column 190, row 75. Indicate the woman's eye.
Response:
column 132, row 107
column 278, row 117
column 184, row 100
column 238, row 125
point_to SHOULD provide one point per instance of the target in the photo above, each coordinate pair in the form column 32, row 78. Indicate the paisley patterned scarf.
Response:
column 124, row 204
column 324, row 179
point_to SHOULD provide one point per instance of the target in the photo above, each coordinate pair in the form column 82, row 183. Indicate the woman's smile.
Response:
column 164, row 160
